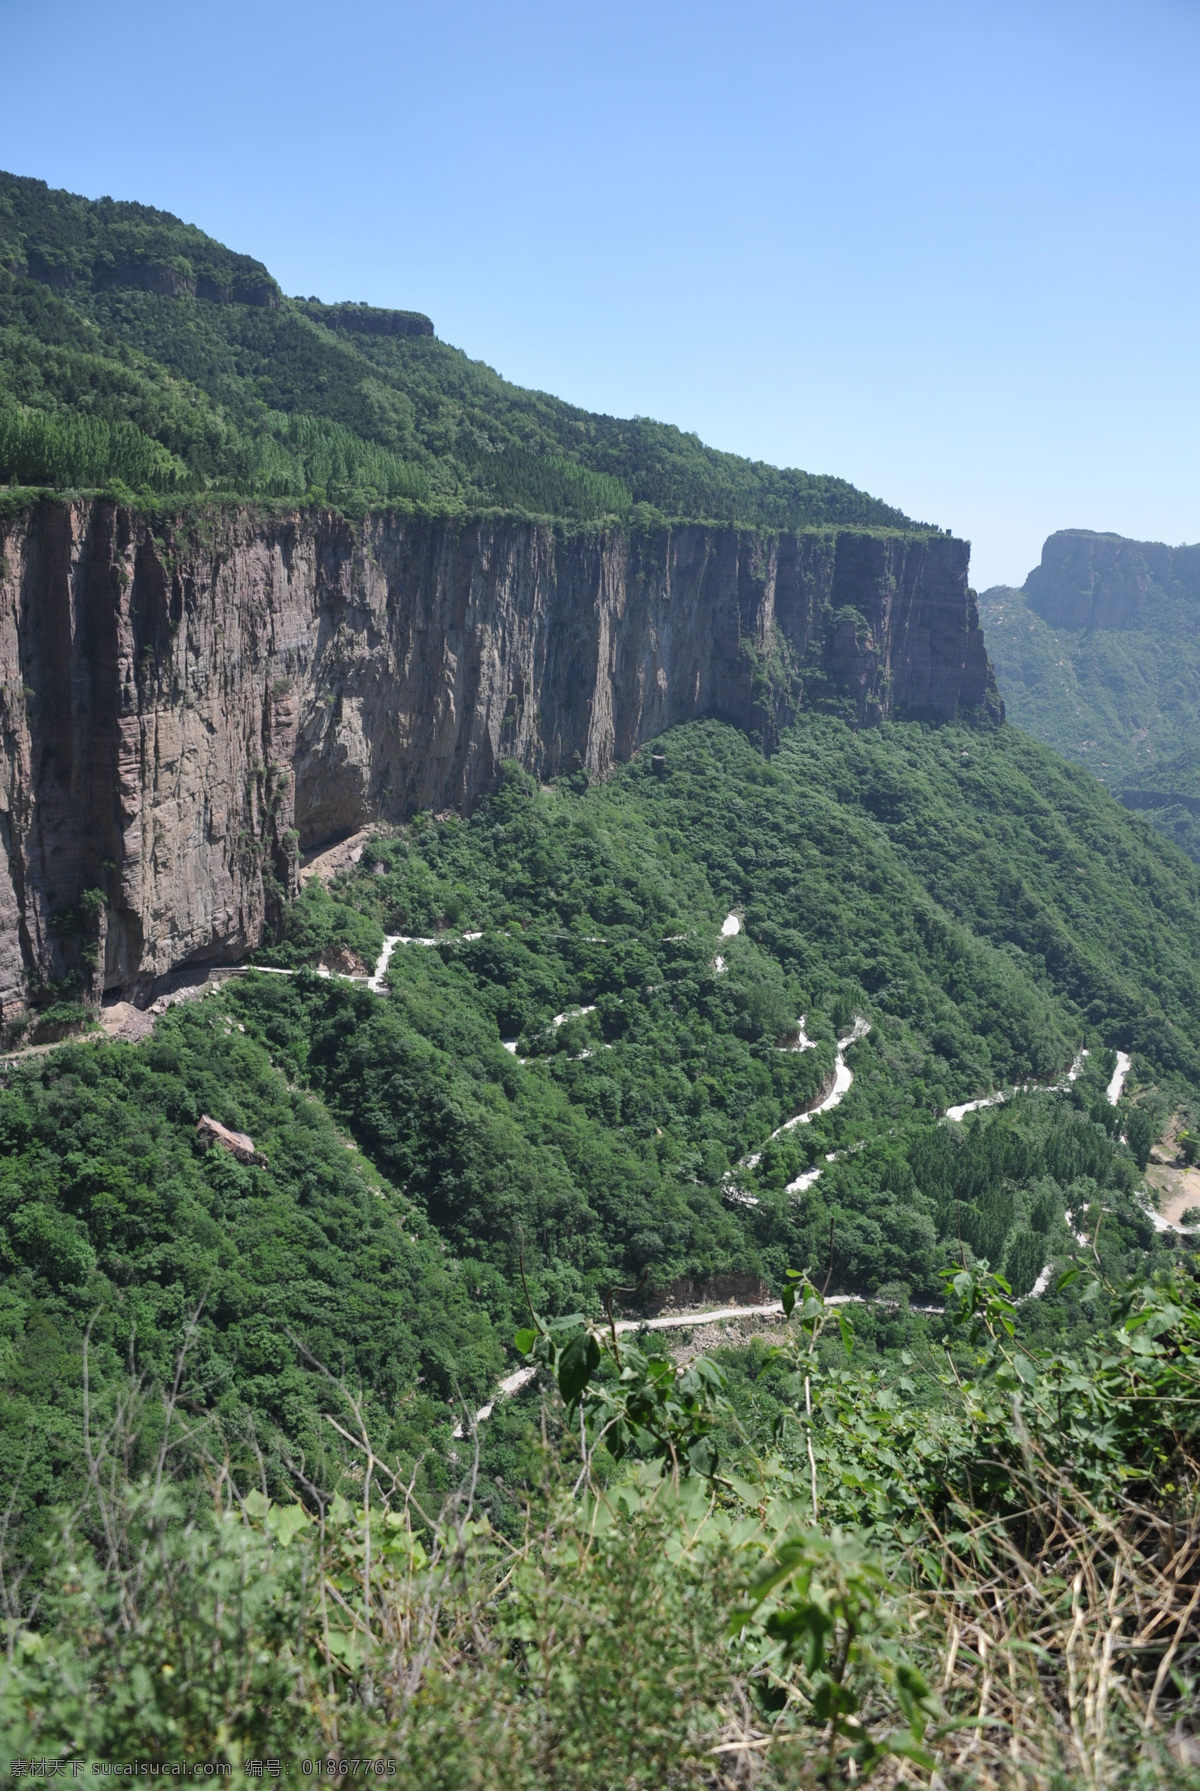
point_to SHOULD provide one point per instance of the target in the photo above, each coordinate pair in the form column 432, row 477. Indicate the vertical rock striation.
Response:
column 183, row 709
column 1086, row 580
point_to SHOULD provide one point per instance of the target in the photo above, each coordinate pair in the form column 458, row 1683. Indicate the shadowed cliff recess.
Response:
column 188, row 704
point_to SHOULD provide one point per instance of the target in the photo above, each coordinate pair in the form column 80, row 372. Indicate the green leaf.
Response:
column 286, row 1521
column 702, row 1457
column 339, row 1511
column 746, row 1491
column 570, row 1321
column 1025, row 1368
column 525, row 1340
column 346, row 1647
column 911, row 1750
column 577, row 1364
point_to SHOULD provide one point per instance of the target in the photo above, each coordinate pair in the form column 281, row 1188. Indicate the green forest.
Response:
column 570, row 1096
column 139, row 355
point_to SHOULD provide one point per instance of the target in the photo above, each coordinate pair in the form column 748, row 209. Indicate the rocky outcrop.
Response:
column 368, row 320
column 901, row 628
column 1087, row 580
column 183, row 706
column 238, row 1144
column 166, row 278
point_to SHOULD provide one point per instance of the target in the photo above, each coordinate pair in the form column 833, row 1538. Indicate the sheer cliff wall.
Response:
column 184, row 707
column 1086, row 580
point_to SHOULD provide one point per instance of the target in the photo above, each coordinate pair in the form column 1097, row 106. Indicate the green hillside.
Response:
column 891, row 1018
column 135, row 349
column 575, row 1081
column 986, row 908
column 1099, row 656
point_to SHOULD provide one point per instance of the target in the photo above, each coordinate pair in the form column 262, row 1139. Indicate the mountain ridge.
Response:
column 120, row 315
column 336, row 571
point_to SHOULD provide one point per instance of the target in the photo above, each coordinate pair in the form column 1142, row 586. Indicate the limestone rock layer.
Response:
column 186, row 706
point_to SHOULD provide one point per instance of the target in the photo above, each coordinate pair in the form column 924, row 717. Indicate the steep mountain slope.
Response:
column 1099, row 655
column 841, row 975
column 194, row 688
column 135, row 348
column 665, row 1020
column 608, row 1002
column 190, row 698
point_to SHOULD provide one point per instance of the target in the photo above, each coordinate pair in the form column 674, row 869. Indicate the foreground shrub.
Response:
column 680, row 1619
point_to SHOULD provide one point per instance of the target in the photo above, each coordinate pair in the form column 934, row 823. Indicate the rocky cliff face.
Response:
column 183, row 711
column 1105, row 581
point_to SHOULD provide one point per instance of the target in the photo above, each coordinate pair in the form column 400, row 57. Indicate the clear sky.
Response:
column 948, row 251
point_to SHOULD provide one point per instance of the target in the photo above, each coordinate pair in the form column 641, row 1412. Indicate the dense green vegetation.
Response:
column 943, row 877
column 72, row 450
column 1123, row 701
column 114, row 1218
column 238, row 1524
column 971, row 1568
column 944, row 1531
column 1169, row 795
column 611, row 900
column 614, row 1146
column 135, row 350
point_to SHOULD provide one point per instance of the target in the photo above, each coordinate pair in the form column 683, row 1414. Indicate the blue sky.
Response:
column 948, row 251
